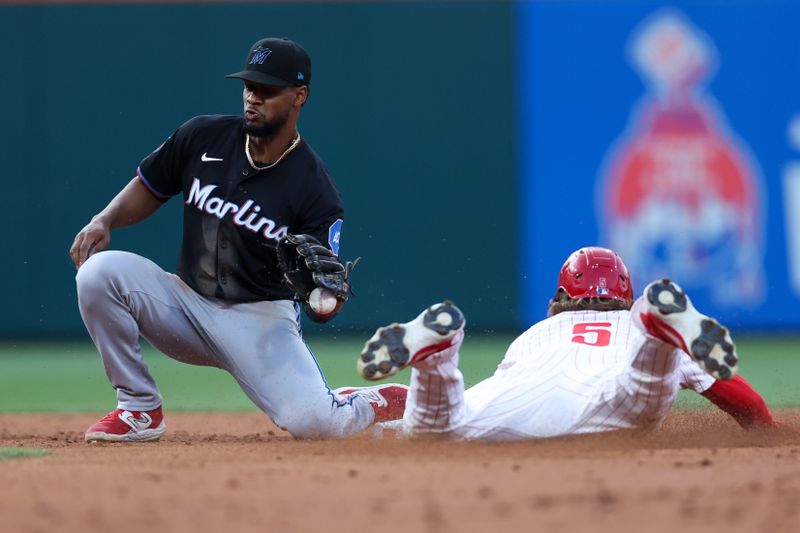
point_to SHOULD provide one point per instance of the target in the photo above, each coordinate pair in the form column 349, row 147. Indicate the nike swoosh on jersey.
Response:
column 205, row 159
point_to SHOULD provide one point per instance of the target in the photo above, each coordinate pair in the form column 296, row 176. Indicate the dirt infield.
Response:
column 236, row 472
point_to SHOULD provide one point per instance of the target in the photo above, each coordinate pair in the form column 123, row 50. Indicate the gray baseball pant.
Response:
column 123, row 296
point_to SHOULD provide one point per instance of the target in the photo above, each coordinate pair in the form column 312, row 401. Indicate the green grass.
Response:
column 69, row 377
column 14, row 453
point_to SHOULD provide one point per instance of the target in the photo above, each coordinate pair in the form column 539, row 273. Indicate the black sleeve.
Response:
column 323, row 216
column 162, row 171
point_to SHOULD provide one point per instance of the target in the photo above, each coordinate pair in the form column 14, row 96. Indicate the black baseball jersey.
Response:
column 234, row 216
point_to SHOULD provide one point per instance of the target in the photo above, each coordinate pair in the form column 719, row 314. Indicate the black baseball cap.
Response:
column 276, row 61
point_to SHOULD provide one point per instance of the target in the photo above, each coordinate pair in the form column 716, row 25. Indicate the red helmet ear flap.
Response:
column 596, row 272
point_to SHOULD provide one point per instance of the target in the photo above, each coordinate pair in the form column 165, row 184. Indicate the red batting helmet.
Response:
column 595, row 272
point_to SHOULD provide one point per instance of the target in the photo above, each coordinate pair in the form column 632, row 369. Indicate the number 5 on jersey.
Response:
column 592, row 333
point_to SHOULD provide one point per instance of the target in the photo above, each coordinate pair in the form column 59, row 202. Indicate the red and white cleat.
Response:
column 394, row 347
column 388, row 401
column 128, row 426
column 671, row 317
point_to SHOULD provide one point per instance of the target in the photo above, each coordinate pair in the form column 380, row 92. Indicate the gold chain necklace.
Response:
column 292, row 146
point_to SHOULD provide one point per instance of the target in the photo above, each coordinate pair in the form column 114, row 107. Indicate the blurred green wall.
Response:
column 412, row 108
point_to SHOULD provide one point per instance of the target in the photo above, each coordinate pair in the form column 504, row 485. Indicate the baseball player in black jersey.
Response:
column 261, row 225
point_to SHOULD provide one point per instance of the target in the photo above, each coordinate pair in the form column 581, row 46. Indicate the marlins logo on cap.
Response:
column 260, row 55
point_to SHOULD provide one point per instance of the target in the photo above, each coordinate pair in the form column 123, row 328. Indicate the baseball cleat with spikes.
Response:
column 394, row 347
column 671, row 317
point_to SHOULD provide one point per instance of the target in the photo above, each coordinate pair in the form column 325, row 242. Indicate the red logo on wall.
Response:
column 680, row 195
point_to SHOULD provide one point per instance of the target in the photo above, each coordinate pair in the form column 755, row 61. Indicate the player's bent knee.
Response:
column 94, row 272
column 99, row 272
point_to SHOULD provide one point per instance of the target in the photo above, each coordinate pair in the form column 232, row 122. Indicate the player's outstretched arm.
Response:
column 133, row 204
column 740, row 400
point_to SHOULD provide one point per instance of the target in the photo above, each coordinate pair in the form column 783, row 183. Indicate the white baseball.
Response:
column 322, row 301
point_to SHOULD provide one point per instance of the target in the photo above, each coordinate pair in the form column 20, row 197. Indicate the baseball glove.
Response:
column 307, row 264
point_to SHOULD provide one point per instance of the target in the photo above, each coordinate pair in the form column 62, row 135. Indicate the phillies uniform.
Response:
column 599, row 362
column 576, row 372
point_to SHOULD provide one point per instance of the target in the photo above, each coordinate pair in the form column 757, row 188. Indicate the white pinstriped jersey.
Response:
column 579, row 372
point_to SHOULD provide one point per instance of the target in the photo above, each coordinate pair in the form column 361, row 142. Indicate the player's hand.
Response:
column 307, row 264
column 94, row 237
